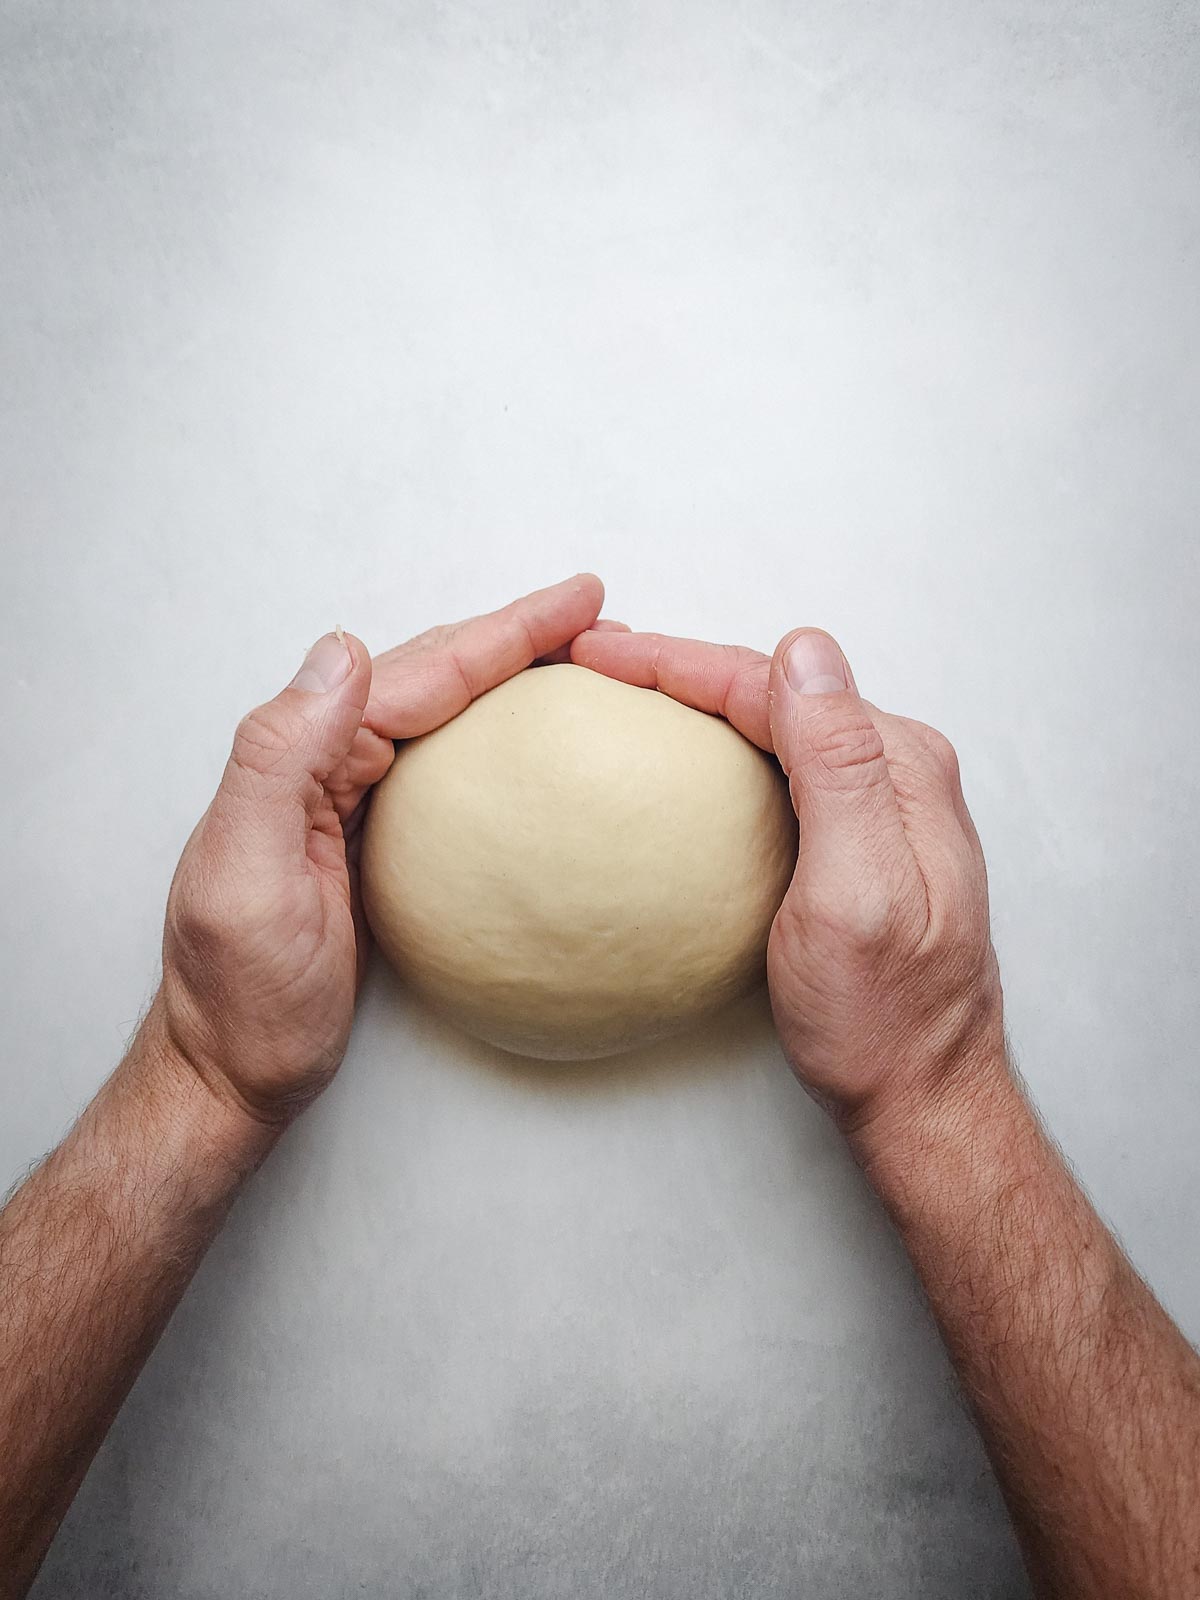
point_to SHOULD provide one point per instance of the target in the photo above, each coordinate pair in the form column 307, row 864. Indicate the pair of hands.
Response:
column 882, row 977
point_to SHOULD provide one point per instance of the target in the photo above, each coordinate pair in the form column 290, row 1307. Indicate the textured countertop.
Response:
column 877, row 317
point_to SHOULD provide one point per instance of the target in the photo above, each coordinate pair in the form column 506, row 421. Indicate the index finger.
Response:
column 419, row 685
column 727, row 680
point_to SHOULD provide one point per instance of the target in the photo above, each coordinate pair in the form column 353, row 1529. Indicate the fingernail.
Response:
column 326, row 665
column 813, row 664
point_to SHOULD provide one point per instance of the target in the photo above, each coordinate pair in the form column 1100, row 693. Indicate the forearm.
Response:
column 96, row 1249
column 1087, row 1395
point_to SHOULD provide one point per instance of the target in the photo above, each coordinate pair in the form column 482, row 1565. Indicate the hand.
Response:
column 883, row 980
column 265, row 938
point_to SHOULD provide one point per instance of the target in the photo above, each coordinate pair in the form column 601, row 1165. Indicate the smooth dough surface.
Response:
column 575, row 866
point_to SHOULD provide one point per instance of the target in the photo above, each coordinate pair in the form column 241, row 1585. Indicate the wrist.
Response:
column 923, row 1144
column 194, row 1116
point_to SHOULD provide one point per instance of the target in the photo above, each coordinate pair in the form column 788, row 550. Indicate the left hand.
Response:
column 265, row 938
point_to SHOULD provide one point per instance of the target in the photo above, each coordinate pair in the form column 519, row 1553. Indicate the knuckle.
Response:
column 959, row 922
column 747, row 668
column 261, row 743
column 217, row 919
column 441, row 636
column 437, row 650
column 881, row 921
column 847, row 754
column 944, row 754
column 523, row 628
column 937, row 750
column 868, row 917
column 196, row 924
column 870, row 922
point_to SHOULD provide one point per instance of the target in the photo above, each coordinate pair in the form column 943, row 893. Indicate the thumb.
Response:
column 834, row 759
column 283, row 751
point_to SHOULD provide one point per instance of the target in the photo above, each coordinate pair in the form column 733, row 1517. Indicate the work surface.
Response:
column 882, row 318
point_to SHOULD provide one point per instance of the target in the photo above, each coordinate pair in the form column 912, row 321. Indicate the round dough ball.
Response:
column 574, row 866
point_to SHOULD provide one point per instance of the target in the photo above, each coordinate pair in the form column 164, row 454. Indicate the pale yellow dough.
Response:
column 573, row 866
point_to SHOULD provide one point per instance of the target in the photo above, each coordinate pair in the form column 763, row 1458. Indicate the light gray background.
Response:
column 883, row 317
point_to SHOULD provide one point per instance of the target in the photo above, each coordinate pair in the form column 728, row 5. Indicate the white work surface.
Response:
column 878, row 317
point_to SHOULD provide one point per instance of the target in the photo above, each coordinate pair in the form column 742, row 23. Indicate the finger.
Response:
column 284, row 751
column 855, row 862
column 424, row 683
column 368, row 759
column 562, row 656
column 726, row 680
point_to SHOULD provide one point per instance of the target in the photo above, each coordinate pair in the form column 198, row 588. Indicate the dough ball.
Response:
column 574, row 866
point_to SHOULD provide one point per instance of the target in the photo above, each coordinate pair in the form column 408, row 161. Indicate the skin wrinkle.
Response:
column 468, row 693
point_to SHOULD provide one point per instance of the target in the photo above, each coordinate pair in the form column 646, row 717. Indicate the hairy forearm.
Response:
column 1087, row 1395
column 96, row 1248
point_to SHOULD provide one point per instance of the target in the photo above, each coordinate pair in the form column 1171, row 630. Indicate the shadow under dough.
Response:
column 708, row 1049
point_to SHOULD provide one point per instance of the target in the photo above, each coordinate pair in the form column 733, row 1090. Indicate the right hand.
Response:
column 883, row 980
